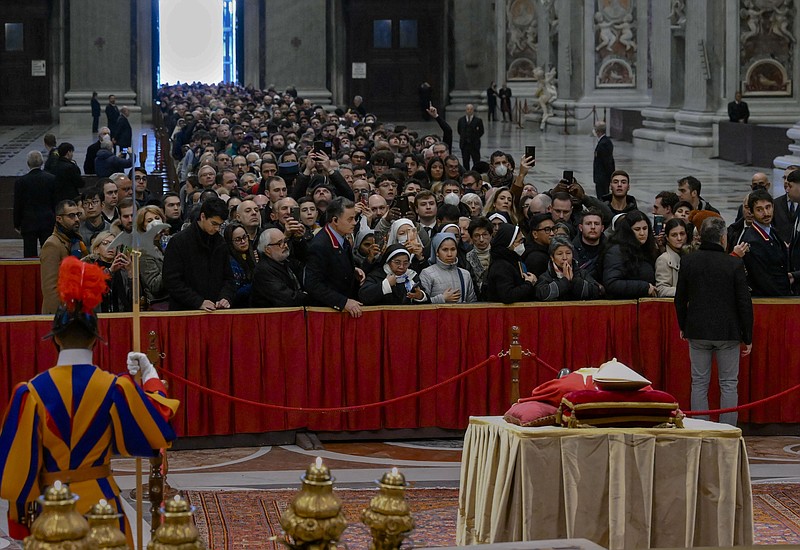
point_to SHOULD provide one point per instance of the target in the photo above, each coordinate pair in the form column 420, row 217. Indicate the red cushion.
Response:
column 643, row 408
column 553, row 390
column 531, row 413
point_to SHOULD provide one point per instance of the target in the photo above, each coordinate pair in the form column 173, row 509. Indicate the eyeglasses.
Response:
column 283, row 242
column 550, row 229
column 72, row 216
column 140, row 178
column 242, row 239
column 106, row 242
column 95, row 202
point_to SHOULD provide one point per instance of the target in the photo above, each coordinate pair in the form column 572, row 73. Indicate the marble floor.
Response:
column 724, row 183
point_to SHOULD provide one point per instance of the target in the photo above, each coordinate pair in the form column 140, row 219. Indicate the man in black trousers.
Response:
column 34, row 205
column 470, row 131
column 604, row 164
column 715, row 313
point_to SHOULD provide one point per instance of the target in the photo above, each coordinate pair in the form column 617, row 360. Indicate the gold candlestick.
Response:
column 59, row 522
column 177, row 529
column 314, row 519
column 388, row 516
column 104, row 529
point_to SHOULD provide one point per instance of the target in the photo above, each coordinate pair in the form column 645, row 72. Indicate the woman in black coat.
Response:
column 508, row 280
column 394, row 283
column 563, row 279
column 628, row 261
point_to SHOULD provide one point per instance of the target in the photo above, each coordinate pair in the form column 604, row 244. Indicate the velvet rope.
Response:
column 352, row 408
column 746, row 405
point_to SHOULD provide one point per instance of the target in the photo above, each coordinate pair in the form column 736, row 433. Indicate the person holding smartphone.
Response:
column 394, row 282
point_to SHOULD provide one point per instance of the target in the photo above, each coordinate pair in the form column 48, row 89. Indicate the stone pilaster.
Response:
column 100, row 59
column 252, row 44
column 296, row 38
column 474, row 58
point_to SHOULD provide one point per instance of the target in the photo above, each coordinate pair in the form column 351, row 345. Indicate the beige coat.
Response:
column 54, row 250
column 667, row 267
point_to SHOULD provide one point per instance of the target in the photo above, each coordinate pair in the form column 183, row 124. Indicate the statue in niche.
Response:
column 779, row 22
column 520, row 27
column 753, row 19
column 607, row 35
column 677, row 16
column 546, row 93
column 626, row 33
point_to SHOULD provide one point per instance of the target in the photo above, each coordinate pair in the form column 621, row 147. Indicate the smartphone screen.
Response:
column 296, row 213
column 568, row 177
column 530, row 151
column 402, row 204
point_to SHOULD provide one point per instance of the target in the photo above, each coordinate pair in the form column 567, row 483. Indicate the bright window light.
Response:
column 191, row 41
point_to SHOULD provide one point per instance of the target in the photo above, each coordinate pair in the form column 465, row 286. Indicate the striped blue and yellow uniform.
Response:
column 70, row 420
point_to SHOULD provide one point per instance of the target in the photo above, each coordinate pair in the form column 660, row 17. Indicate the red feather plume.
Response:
column 81, row 283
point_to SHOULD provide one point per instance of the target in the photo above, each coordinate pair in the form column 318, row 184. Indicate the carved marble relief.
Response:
column 767, row 47
column 615, row 43
column 521, row 39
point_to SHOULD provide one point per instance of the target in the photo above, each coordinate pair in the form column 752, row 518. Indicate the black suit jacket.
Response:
column 68, row 180
column 276, row 285
column 767, row 263
column 738, row 111
column 711, row 299
column 112, row 115
column 34, row 201
column 603, row 161
column 470, row 133
column 330, row 276
column 123, row 134
column 782, row 221
column 91, row 154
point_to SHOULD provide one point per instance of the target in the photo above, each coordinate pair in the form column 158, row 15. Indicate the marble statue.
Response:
column 625, row 29
column 607, row 35
column 677, row 16
column 546, row 93
column 753, row 19
column 779, row 22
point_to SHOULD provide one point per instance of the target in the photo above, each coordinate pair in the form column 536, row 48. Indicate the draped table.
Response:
column 618, row 487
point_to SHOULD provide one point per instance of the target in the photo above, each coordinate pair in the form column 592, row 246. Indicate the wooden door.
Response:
column 395, row 45
column 25, row 65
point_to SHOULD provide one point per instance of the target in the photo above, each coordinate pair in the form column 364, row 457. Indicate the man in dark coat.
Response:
column 767, row 260
column 93, row 149
column 34, row 207
column 331, row 277
column 603, row 160
column 738, row 111
column 68, row 175
column 95, row 112
column 123, row 134
column 112, row 111
column 787, row 205
column 470, row 131
column 715, row 313
column 197, row 270
column 275, row 283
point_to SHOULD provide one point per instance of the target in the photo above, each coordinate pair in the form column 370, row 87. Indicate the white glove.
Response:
column 137, row 362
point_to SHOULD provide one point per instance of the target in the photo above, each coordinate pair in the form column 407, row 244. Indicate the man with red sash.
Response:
column 67, row 422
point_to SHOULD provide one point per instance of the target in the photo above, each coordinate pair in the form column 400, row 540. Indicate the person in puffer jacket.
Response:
column 443, row 281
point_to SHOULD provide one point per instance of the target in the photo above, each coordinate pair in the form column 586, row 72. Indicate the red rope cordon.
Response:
column 544, row 363
column 329, row 409
column 745, row 406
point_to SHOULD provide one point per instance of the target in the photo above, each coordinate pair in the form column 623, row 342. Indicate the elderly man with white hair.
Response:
column 107, row 163
column 275, row 283
column 34, row 205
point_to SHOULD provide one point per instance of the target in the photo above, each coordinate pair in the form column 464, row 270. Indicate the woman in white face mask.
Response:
column 151, row 265
column 405, row 232
column 508, row 280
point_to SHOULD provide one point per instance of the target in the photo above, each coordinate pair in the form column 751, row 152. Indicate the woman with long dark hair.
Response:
column 243, row 262
column 669, row 263
column 628, row 260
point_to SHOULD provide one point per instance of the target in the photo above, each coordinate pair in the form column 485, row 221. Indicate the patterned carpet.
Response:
column 241, row 520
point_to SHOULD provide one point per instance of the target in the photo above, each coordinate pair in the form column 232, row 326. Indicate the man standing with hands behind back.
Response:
column 715, row 313
column 470, row 131
column 604, row 164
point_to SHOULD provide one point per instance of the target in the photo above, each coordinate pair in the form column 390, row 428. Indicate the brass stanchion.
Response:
column 59, row 522
column 104, row 529
column 157, row 485
column 515, row 354
column 388, row 516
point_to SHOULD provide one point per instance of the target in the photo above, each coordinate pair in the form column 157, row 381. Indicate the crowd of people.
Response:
column 284, row 203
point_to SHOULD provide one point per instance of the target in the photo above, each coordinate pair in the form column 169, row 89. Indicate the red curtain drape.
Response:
column 20, row 287
column 321, row 358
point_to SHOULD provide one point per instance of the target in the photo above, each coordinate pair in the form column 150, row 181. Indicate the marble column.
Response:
column 668, row 22
column 568, row 20
column 615, row 54
column 474, row 57
column 296, row 54
column 99, row 58
column 705, row 57
column 252, row 74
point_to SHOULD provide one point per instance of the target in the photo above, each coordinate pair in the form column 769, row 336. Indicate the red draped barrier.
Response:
column 322, row 358
column 20, row 287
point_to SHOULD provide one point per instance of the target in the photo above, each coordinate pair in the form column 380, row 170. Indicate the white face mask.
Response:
column 151, row 224
column 501, row 170
column 402, row 239
column 520, row 249
column 451, row 198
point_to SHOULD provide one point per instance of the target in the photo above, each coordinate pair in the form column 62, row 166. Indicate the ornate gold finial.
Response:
column 59, row 522
column 104, row 529
column 314, row 519
column 388, row 516
column 177, row 529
